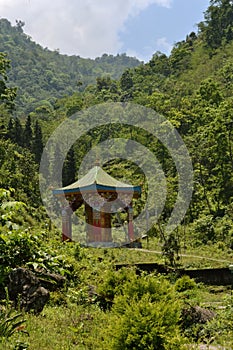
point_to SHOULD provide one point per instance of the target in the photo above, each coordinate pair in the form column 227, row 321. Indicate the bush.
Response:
column 18, row 248
column 185, row 283
column 145, row 315
column 112, row 284
column 145, row 325
column 204, row 229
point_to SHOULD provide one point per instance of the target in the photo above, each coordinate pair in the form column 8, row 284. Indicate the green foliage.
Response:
column 217, row 26
column 29, row 249
column 69, row 168
column 112, row 285
column 27, row 134
column 18, row 248
column 70, row 105
column 145, row 315
column 160, row 64
column 37, row 143
column 146, row 325
column 7, row 94
column 210, row 92
column 126, row 81
column 204, row 228
column 11, row 321
column 19, row 171
column 41, row 74
column 100, row 307
column 171, row 249
column 208, row 229
column 220, row 328
column 185, row 283
column 13, row 213
column 17, row 132
column 180, row 57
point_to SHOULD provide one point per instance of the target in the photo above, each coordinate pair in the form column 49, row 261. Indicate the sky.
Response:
column 90, row 28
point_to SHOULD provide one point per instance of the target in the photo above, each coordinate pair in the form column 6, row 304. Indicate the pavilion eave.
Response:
column 99, row 188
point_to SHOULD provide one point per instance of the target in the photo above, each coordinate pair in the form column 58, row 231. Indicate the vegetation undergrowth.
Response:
column 100, row 306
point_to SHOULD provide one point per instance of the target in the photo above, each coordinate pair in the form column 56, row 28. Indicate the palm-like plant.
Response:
column 11, row 321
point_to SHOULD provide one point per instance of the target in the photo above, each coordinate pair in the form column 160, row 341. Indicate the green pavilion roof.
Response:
column 97, row 178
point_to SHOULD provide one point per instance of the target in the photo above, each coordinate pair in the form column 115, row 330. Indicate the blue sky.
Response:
column 89, row 28
column 159, row 28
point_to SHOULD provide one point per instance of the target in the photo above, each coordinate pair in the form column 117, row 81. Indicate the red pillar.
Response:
column 97, row 225
column 66, row 224
column 130, row 222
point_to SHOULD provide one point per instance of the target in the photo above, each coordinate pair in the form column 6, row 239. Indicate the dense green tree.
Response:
column 145, row 312
column 37, row 143
column 126, row 85
column 27, row 133
column 57, row 166
column 69, row 168
column 45, row 167
column 15, row 131
column 217, row 27
column 18, row 132
column 7, row 94
column 19, row 25
column 10, row 129
column 160, row 63
column 180, row 57
column 103, row 83
column 126, row 81
column 210, row 92
column 18, row 170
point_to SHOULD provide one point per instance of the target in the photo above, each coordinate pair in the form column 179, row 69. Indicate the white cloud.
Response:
column 87, row 28
column 147, row 52
column 163, row 45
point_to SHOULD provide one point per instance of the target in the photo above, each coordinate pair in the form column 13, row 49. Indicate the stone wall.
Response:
column 218, row 276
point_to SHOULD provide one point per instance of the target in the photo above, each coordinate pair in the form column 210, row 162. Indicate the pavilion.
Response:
column 102, row 195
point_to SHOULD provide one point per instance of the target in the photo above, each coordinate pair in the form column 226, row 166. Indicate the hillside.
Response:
column 192, row 88
column 93, row 303
column 41, row 74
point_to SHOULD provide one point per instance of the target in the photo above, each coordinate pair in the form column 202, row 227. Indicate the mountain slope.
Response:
column 43, row 74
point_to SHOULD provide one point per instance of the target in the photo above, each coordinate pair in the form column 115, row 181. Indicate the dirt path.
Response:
column 185, row 255
column 207, row 347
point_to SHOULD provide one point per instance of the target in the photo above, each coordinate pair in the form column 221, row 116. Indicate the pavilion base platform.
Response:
column 102, row 244
column 133, row 244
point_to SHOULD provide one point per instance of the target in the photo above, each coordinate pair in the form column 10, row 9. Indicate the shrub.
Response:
column 185, row 283
column 112, row 284
column 18, row 248
column 144, row 325
column 145, row 315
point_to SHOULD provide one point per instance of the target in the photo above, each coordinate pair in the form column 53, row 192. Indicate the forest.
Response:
column 89, row 304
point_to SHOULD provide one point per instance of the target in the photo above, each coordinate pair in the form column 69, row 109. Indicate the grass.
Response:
column 61, row 328
column 209, row 256
column 212, row 255
column 72, row 326
column 70, row 321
